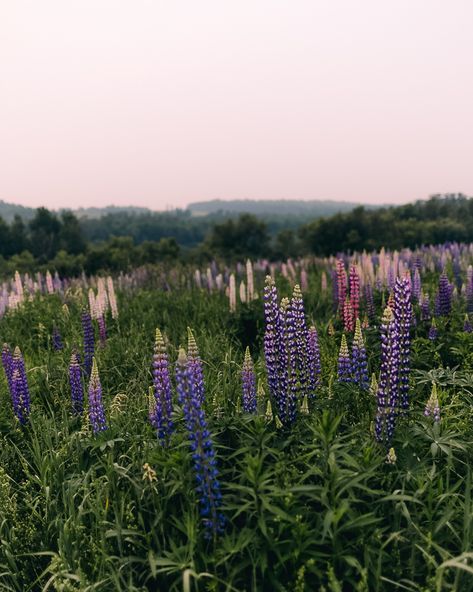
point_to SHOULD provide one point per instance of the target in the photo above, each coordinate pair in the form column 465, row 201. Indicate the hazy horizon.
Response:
column 161, row 104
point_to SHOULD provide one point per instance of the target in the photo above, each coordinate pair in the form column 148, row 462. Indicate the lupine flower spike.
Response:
column 75, row 382
column 89, row 341
column 344, row 364
column 195, row 364
column 57, row 341
column 359, row 363
column 467, row 326
column 248, row 384
column 161, row 415
column 433, row 408
column 96, row 408
column 433, row 331
column 203, row 455
column 403, row 318
column 20, row 390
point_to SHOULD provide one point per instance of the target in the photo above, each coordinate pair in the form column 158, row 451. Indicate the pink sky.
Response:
column 161, row 103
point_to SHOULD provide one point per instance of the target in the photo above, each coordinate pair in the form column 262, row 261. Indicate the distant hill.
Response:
column 8, row 211
column 279, row 207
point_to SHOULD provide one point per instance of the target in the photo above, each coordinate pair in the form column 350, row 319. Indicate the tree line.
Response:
column 122, row 240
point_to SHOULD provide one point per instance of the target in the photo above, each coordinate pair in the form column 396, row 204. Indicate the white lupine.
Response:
column 18, row 287
column 242, row 291
column 49, row 283
column 250, row 283
column 112, row 297
column 232, row 293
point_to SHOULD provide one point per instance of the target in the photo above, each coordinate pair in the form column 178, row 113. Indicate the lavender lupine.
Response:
column 359, row 363
column 89, row 341
column 388, row 386
column 203, row 454
column 432, row 407
column 248, row 384
column 433, row 331
column 57, row 341
column 444, row 295
column 298, row 341
column 403, row 317
column 20, row 391
column 287, row 365
column 162, row 409
column 344, row 363
column 7, row 362
column 75, row 382
column 195, row 364
column 313, row 360
column 96, row 408
column 425, row 308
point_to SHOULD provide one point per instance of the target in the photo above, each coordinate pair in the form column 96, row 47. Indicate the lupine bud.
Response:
column 313, row 357
column 96, row 408
column 57, row 341
column 359, row 363
column 344, row 364
column 433, row 407
column 467, row 327
column 248, row 384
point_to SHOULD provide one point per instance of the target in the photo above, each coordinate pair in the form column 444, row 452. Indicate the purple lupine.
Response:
column 20, row 390
column 354, row 279
column 388, row 387
column 57, row 341
column 96, row 408
column 425, row 308
column 287, row 365
column 102, row 330
column 313, row 360
column 469, row 290
column 444, row 295
column 7, row 362
column 89, row 341
column 344, row 363
column 248, row 380
column 416, row 284
column 195, row 364
column 75, row 382
column 297, row 342
column 341, row 285
column 370, row 309
column 203, row 454
column 359, row 365
column 433, row 331
column 432, row 407
column 403, row 318
column 467, row 326
column 161, row 415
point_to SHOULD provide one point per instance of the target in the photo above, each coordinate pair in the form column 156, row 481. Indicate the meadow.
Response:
column 314, row 465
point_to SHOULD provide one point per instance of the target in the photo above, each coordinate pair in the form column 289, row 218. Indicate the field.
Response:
column 357, row 477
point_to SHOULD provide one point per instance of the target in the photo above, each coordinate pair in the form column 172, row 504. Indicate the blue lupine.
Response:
column 403, row 318
column 358, row 362
column 469, row 290
column 297, row 343
column 344, row 363
column 444, row 295
column 161, row 416
column 195, row 364
column 20, row 390
column 248, row 380
column 313, row 360
column 203, row 454
column 89, row 341
column 75, row 382
column 388, row 386
column 96, row 408
column 57, row 341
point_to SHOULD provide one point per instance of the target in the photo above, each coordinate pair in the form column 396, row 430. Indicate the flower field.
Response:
column 303, row 426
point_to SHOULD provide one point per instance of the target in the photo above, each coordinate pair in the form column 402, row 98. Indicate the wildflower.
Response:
column 391, row 457
column 250, row 283
column 89, row 341
column 232, row 293
column 7, row 362
column 433, row 407
column 269, row 412
column 96, row 409
column 433, row 331
column 203, row 455
column 348, row 316
column 358, row 361
column 370, row 309
column 102, row 329
column 57, row 341
column 354, row 279
column 305, row 406
column 403, row 318
column 75, row 382
column 249, row 384
column 341, row 285
column 467, row 326
column 344, row 364
column 161, row 415
column 416, row 285
column 373, row 385
column 195, row 364
column 444, row 295
column 388, row 388
column 20, row 391
column 425, row 308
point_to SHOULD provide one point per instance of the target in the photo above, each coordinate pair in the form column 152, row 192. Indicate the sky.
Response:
column 162, row 103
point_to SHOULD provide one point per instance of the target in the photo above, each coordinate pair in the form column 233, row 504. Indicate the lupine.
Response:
column 75, row 382
column 348, row 316
column 102, row 329
column 416, row 285
column 358, row 362
column 444, row 295
column 195, row 364
column 203, row 454
column 162, row 409
column 96, row 408
column 403, row 317
column 112, row 298
column 7, row 362
column 354, row 291
column 57, row 341
column 344, row 364
column 370, row 309
column 341, row 285
column 469, row 289
column 20, row 391
column 313, row 360
column 433, row 407
column 433, row 331
column 89, row 341
column 248, row 384
column 425, row 308
column 287, row 365
column 298, row 341
column 388, row 387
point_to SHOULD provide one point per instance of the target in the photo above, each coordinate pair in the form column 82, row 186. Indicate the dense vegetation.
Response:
column 312, row 502
column 124, row 239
